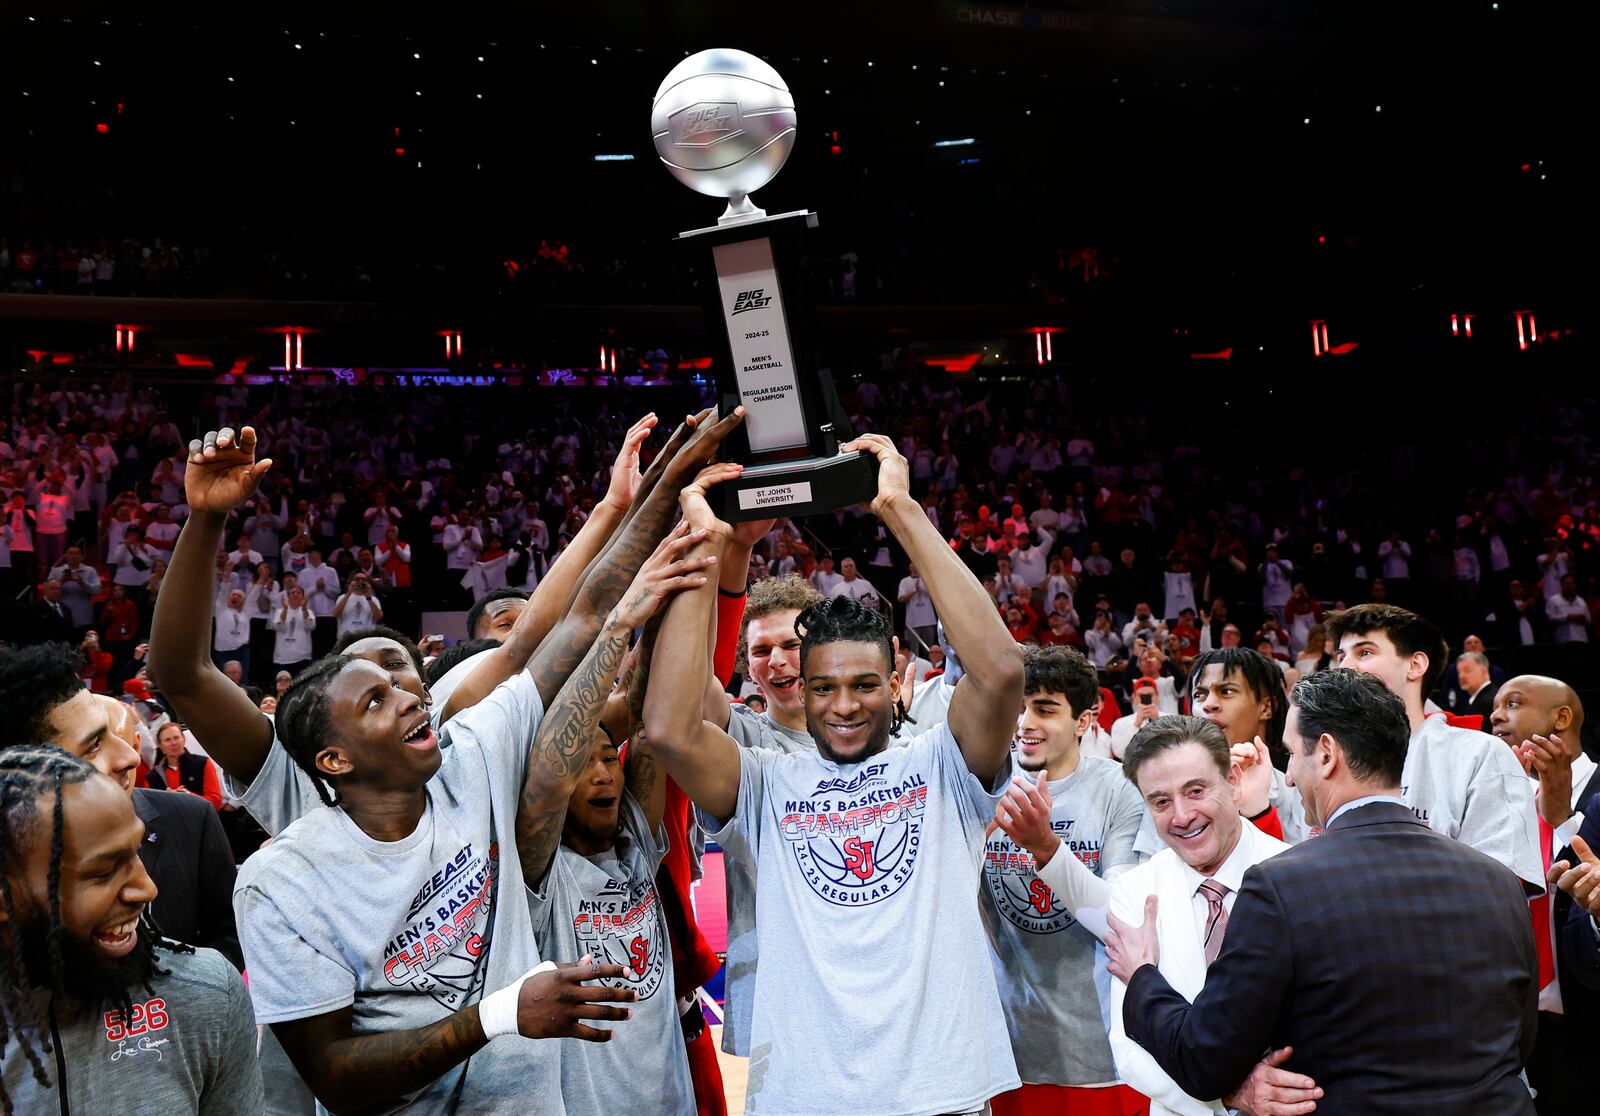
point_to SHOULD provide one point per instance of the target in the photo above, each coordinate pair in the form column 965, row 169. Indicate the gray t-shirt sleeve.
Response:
column 746, row 820
column 501, row 728
column 975, row 803
column 279, row 794
column 290, row 978
column 1123, row 821
column 235, row 1087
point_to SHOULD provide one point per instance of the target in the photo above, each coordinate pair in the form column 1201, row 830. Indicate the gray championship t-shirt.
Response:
column 1050, row 970
column 407, row 932
column 279, row 794
column 871, row 999
column 758, row 731
column 188, row 1045
column 607, row 906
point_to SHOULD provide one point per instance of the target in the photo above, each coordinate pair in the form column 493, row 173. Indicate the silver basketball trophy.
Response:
column 723, row 123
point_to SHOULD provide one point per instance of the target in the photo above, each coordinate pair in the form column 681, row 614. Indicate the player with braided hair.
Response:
column 84, row 976
column 870, row 857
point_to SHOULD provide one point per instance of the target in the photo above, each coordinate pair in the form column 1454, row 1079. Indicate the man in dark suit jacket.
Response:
column 49, row 620
column 187, row 854
column 1577, row 875
column 1397, row 964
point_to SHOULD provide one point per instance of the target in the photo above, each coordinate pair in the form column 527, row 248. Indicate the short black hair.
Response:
column 1260, row 673
column 1367, row 719
column 304, row 718
column 1169, row 732
column 380, row 632
column 475, row 613
column 33, row 682
column 842, row 619
column 1408, row 632
column 1061, row 670
column 452, row 657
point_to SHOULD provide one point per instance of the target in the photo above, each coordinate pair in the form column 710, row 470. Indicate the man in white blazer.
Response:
column 1195, row 790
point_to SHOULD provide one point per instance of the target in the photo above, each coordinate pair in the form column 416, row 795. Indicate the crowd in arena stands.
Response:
column 1179, row 758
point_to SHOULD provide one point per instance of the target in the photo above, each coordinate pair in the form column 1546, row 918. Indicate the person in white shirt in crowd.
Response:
column 852, row 584
column 1103, row 641
column 131, row 559
column 1031, row 559
column 358, row 607
column 462, row 541
column 161, row 532
column 1179, row 585
column 1277, row 580
column 1062, row 575
column 230, row 640
column 293, row 622
column 1198, row 798
column 80, row 584
column 1461, row 782
column 380, row 517
column 1143, row 625
column 1541, row 719
column 263, row 528
column 294, row 555
column 321, row 583
column 1568, row 613
column 247, row 561
column 824, row 577
column 1008, row 584
column 1045, row 517
column 1394, row 558
column 920, row 618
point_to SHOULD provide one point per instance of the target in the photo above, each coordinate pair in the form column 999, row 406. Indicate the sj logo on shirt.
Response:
column 620, row 929
column 1026, row 901
column 859, row 849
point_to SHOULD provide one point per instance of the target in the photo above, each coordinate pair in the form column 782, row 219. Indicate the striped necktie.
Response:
column 1216, row 918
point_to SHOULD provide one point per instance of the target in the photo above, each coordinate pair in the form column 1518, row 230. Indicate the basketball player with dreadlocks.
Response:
column 185, row 849
column 591, row 839
column 98, row 1013
column 869, row 857
column 222, row 472
column 389, row 938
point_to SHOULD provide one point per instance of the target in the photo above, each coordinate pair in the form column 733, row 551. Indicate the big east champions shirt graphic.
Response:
column 619, row 927
column 856, row 839
column 442, row 949
column 1025, row 900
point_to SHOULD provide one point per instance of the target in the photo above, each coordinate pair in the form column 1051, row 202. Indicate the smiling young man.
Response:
column 1046, row 963
column 1461, row 782
column 869, row 857
column 100, row 1014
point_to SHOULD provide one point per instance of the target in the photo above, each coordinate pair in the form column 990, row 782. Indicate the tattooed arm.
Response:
column 640, row 774
column 567, row 733
column 603, row 586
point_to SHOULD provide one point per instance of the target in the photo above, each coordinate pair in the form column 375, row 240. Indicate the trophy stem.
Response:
column 740, row 208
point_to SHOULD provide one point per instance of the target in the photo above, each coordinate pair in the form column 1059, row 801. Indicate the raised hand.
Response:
column 1024, row 814
column 222, row 471
column 1581, row 882
column 702, row 447
column 1272, row 1091
column 1130, row 948
column 1255, row 776
column 626, row 476
column 697, row 509
column 555, row 1003
column 894, row 475
column 1547, row 758
column 664, row 573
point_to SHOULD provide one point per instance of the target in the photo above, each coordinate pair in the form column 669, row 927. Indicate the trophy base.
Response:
column 806, row 486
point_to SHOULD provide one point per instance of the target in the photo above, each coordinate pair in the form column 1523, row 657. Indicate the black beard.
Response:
column 876, row 742
column 87, row 978
column 1028, row 765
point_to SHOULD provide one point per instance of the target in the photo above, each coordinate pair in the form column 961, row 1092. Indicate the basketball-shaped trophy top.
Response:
column 723, row 123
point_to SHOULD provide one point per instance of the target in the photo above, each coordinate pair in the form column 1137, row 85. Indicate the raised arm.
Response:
column 701, row 757
column 567, row 733
column 552, row 593
column 983, row 710
column 614, row 570
column 222, row 472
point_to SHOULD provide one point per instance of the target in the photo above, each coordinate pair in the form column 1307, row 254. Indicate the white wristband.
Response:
column 497, row 1012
